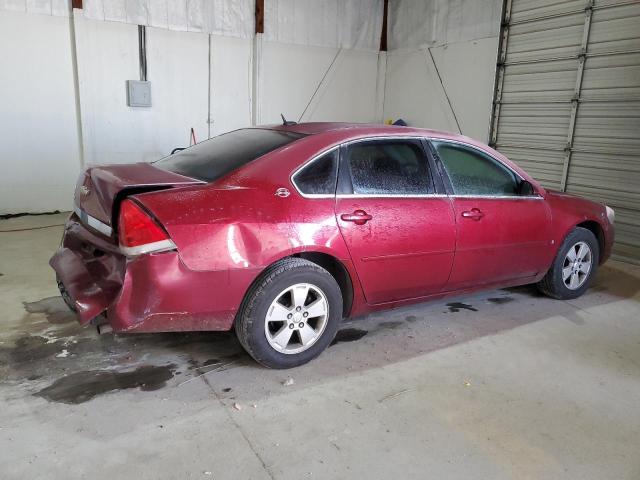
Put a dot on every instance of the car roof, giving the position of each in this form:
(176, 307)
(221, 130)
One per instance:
(355, 130)
(338, 132)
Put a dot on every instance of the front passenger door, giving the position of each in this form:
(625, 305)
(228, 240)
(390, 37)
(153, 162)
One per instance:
(399, 231)
(503, 235)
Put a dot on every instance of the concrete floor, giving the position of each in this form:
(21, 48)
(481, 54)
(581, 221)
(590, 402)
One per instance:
(502, 384)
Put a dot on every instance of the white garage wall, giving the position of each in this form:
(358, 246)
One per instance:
(42, 7)
(345, 81)
(440, 73)
(231, 79)
(222, 17)
(348, 92)
(349, 24)
(178, 71)
(320, 59)
(447, 88)
(38, 129)
(198, 80)
(428, 23)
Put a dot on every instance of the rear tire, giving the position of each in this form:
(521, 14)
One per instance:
(290, 314)
(574, 267)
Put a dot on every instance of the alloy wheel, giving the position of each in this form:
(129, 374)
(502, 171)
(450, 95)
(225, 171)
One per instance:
(577, 266)
(297, 318)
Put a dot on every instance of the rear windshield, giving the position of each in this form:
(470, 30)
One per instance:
(214, 158)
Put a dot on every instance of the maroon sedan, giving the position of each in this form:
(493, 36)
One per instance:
(280, 232)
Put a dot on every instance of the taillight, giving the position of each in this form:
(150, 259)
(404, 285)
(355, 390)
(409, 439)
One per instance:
(139, 233)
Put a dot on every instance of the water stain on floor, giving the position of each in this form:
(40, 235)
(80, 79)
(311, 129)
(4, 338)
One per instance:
(457, 306)
(500, 300)
(528, 290)
(348, 335)
(390, 325)
(221, 364)
(53, 308)
(81, 387)
(33, 348)
(195, 364)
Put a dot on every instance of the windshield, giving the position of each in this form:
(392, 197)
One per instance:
(214, 158)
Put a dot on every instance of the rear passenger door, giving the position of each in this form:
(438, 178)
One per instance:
(399, 229)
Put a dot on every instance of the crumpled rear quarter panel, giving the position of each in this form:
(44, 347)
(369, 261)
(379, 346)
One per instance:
(160, 294)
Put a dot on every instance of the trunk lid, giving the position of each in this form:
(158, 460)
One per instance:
(100, 189)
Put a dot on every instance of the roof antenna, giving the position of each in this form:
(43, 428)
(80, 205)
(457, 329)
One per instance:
(287, 122)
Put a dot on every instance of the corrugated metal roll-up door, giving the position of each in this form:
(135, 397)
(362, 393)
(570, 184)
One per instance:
(567, 102)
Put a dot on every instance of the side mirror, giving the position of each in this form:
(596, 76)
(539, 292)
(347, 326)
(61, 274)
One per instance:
(525, 188)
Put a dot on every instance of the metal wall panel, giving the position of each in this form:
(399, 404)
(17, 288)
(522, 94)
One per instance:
(546, 38)
(539, 79)
(567, 104)
(605, 164)
(527, 10)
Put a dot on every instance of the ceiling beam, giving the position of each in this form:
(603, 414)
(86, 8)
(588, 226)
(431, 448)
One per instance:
(383, 37)
(259, 16)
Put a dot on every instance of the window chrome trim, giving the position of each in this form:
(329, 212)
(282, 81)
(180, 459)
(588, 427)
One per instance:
(93, 222)
(385, 137)
(307, 163)
(501, 197)
(400, 195)
(391, 195)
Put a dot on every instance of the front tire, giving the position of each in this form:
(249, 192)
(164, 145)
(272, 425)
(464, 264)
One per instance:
(290, 315)
(574, 267)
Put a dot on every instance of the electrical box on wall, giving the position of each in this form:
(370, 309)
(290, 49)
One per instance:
(138, 93)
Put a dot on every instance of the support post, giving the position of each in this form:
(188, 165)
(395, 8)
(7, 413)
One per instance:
(259, 16)
(383, 36)
(575, 100)
(76, 4)
(209, 85)
(500, 70)
(256, 63)
(256, 78)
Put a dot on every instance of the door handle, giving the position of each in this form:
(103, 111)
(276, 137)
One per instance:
(359, 217)
(474, 214)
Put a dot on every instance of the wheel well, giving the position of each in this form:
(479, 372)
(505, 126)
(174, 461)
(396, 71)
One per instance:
(596, 229)
(337, 269)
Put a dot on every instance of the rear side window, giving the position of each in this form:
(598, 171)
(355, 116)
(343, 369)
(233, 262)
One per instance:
(473, 173)
(389, 168)
(214, 158)
(319, 177)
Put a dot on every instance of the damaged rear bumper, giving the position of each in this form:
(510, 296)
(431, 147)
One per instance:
(147, 293)
(88, 298)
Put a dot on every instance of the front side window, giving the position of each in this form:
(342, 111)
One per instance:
(474, 173)
(218, 156)
(319, 177)
(389, 168)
